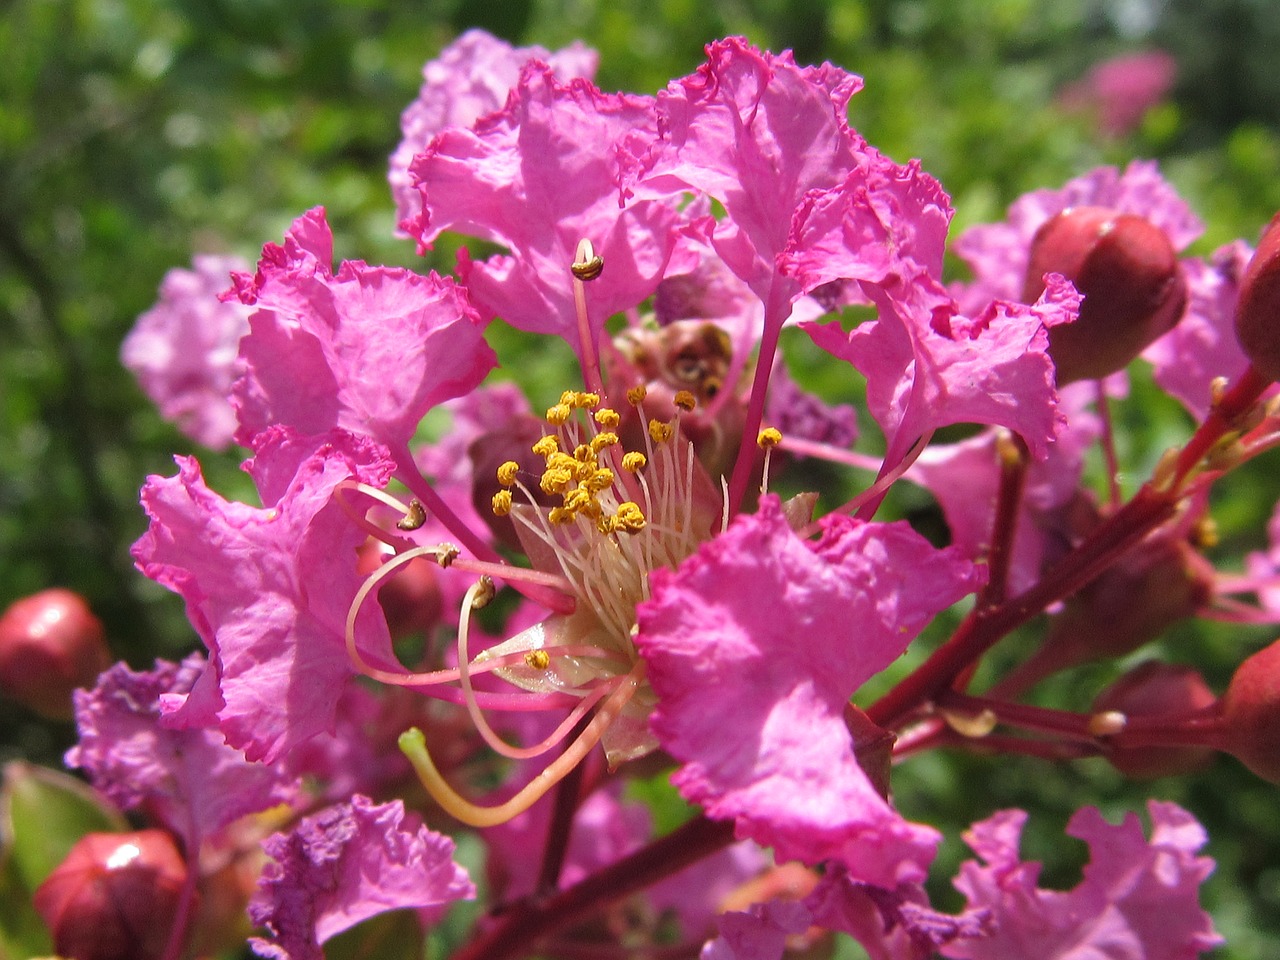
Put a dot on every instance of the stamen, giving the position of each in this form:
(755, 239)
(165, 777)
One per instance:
(415, 518)
(413, 746)
(685, 400)
(768, 438)
(502, 503)
(361, 519)
(507, 473)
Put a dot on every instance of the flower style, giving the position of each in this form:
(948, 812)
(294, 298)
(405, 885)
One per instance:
(664, 603)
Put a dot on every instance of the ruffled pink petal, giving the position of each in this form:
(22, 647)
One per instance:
(756, 132)
(537, 178)
(267, 588)
(368, 349)
(929, 367)
(1203, 345)
(183, 350)
(189, 779)
(1138, 898)
(471, 78)
(758, 934)
(771, 635)
(346, 864)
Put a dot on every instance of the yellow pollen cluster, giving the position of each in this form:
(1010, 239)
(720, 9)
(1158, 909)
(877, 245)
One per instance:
(769, 437)
(685, 400)
(583, 483)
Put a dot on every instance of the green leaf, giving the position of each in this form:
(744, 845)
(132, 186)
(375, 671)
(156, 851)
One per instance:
(43, 813)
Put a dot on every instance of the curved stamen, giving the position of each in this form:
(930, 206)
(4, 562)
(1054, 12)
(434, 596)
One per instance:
(413, 745)
(361, 520)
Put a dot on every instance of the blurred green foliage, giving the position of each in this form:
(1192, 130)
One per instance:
(134, 133)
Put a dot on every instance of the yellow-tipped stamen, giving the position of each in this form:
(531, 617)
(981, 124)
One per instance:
(636, 395)
(660, 432)
(608, 418)
(685, 400)
(767, 439)
(546, 446)
(559, 414)
(502, 503)
(634, 461)
(415, 518)
(507, 473)
(413, 746)
(361, 520)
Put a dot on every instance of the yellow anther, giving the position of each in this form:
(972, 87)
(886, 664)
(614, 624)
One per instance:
(601, 480)
(602, 440)
(562, 461)
(547, 446)
(569, 398)
(484, 592)
(660, 432)
(589, 270)
(502, 503)
(507, 473)
(415, 517)
(636, 395)
(587, 401)
(559, 515)
(629, 517)
(537, 659)
(559, 414)
(554, 480)
(769, 438)
(608, 418)
(605, 524)
(584, 454)
(633, 461)
(577, 500)
(685, 400)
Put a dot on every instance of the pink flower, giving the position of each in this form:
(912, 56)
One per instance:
(471, 78)
(183, 350)
(776, 634)
(1122, 89)
(346, 864)
(1138, 898)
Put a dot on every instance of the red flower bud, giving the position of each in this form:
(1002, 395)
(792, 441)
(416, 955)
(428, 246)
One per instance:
(1152, 689)
(410, 596)
(1251, 713)
(50, 643)
(1258, 309)
(1129, 276)
(115, 897)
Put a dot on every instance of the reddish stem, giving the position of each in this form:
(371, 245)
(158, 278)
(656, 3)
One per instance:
(985, 627)
(568, 796)
(1013, 481)
(515, 932)
(1222, 418)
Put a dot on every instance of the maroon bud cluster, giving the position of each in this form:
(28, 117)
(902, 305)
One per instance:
(50, 644)
(115, 897)
(1251, 713)
(1128, 273)
(1258, 309)
(1153, 689)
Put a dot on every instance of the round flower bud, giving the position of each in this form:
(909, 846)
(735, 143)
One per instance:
(1258, 309)
(1151, 689)
(1251, 713)
(115, 896)
(50, 644)
(1128, 273)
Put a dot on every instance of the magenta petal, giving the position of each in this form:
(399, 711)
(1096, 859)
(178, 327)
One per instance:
(1138, 898)
(267, 588)
(346, 864)
(882, 221)
(772, 635)
(929, 367)
(183, 350)
(190, 779)
(471, 77)
(368, 349)
(758, 934)
(537, 178)
(756, 132)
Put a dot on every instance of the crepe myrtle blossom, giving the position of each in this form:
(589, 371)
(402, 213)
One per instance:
(661, 600)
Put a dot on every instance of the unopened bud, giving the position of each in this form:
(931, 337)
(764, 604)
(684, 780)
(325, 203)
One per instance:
(1128, 273)
(1258, 309)
(115, 897)
(50, 644)
(1148, 690)
(1251, 712)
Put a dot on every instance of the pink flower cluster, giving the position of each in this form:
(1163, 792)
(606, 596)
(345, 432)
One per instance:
(665, 604)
